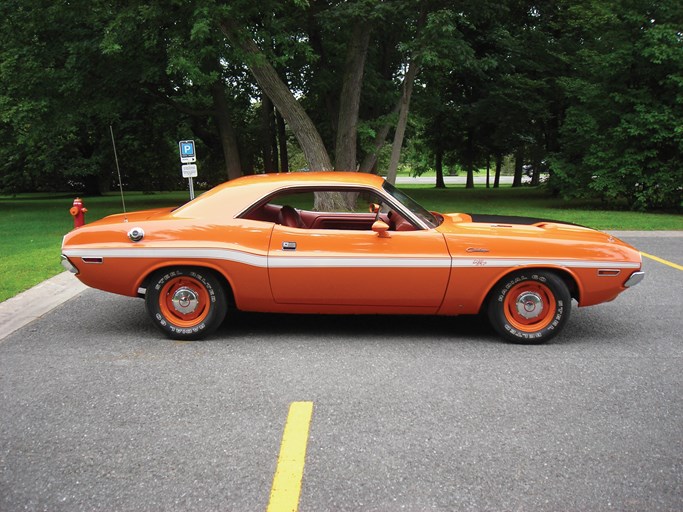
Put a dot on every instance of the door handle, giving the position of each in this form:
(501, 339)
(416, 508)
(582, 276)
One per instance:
(289, 246)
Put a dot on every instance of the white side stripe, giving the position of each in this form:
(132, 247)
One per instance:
(526, 262)
(323, 262)
(293, 261)
(255, 260)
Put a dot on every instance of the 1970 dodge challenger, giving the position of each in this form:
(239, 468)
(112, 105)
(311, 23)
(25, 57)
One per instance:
(346, 243)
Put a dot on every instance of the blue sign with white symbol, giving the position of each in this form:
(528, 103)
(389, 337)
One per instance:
(187, 154)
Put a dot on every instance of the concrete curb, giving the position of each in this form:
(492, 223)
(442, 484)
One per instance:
(30, 305)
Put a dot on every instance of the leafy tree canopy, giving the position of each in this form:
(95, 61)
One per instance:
(590, 90)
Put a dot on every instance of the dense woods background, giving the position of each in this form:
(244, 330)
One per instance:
(590, 91)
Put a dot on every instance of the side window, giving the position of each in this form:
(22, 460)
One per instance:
(300, 199)
(327, 209)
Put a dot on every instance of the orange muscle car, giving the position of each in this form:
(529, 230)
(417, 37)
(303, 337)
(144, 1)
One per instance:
(346, 243)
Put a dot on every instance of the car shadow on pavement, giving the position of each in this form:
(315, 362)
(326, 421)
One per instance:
(112, 316)
(414, 327)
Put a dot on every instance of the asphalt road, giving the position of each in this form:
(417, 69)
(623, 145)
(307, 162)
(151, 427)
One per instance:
(98, 412)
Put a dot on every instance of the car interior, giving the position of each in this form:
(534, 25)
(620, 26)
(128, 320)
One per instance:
(342, 210)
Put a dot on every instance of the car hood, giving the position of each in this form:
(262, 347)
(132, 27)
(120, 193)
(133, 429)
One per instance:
(529, 228)
(511, 219)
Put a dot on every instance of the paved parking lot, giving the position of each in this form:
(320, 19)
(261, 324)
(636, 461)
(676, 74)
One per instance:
(98, 412)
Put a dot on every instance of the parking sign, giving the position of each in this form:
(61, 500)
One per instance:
(187, 153)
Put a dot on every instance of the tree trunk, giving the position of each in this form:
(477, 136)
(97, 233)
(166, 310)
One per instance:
(321, 64)
(499, 167)
(273, 141)
(470, 175)
(370, 160)
(291, 110)
(96, 184)
(470, 159)
(402, 121)
(231, 151)
(269, 165)
(349, 100)
(519, 168)
(440, 183)
(282, 140)
(488, 171)
(407, 91)
(536, 167)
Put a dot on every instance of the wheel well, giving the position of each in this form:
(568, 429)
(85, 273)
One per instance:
(224, 280)
(566, 277)
(569, 281)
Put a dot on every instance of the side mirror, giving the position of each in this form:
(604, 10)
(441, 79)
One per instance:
(381, 228)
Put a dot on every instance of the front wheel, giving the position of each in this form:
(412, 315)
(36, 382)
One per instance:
(186, 303)
(529, 307)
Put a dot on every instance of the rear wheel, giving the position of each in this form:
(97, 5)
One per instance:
(529, 306)
(186, 303)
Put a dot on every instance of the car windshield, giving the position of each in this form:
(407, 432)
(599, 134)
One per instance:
(417, 209)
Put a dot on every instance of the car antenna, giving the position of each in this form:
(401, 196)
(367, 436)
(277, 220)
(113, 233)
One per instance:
(118, 170)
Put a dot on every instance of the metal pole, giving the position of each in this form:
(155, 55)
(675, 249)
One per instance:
(118, 170)
(191, 189)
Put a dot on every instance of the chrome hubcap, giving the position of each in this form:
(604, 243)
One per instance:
(185, 300)
(529, 305)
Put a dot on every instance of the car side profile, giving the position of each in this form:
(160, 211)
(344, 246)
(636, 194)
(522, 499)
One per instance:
(346, 243)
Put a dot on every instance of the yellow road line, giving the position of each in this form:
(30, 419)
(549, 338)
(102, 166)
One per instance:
(660, 260)
(284, 495)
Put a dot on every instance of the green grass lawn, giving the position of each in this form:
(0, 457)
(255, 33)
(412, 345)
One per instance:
(32, 225)
(536, 202)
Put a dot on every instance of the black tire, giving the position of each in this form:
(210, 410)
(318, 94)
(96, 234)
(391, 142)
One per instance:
(529, 306)
(186, 303)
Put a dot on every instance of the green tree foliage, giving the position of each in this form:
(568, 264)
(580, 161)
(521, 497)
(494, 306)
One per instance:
(622, 136)
(497, 93)
(458, 80)
(58, 95)
(592, 88)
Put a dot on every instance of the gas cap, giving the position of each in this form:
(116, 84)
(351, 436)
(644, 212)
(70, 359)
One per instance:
(136, 234)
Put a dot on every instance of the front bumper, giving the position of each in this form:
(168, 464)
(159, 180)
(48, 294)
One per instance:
(68, 266)
(635, 278)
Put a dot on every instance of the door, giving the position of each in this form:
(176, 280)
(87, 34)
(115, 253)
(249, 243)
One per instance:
(358, 268)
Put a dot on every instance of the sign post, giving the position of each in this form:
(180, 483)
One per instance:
(188, 157)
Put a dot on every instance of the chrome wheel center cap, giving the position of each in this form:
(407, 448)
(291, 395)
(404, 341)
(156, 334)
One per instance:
(529, 305)
(185, 301)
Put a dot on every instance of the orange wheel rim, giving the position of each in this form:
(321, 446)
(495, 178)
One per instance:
(184, 301)
(530, 306)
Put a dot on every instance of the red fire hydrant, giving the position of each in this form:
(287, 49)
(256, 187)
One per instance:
(78, 212)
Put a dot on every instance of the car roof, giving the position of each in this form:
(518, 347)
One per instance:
(304, 177)
(236, 195)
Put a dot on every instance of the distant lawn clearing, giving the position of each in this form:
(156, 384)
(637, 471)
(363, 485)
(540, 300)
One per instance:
(536, 202)
(33, 225)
